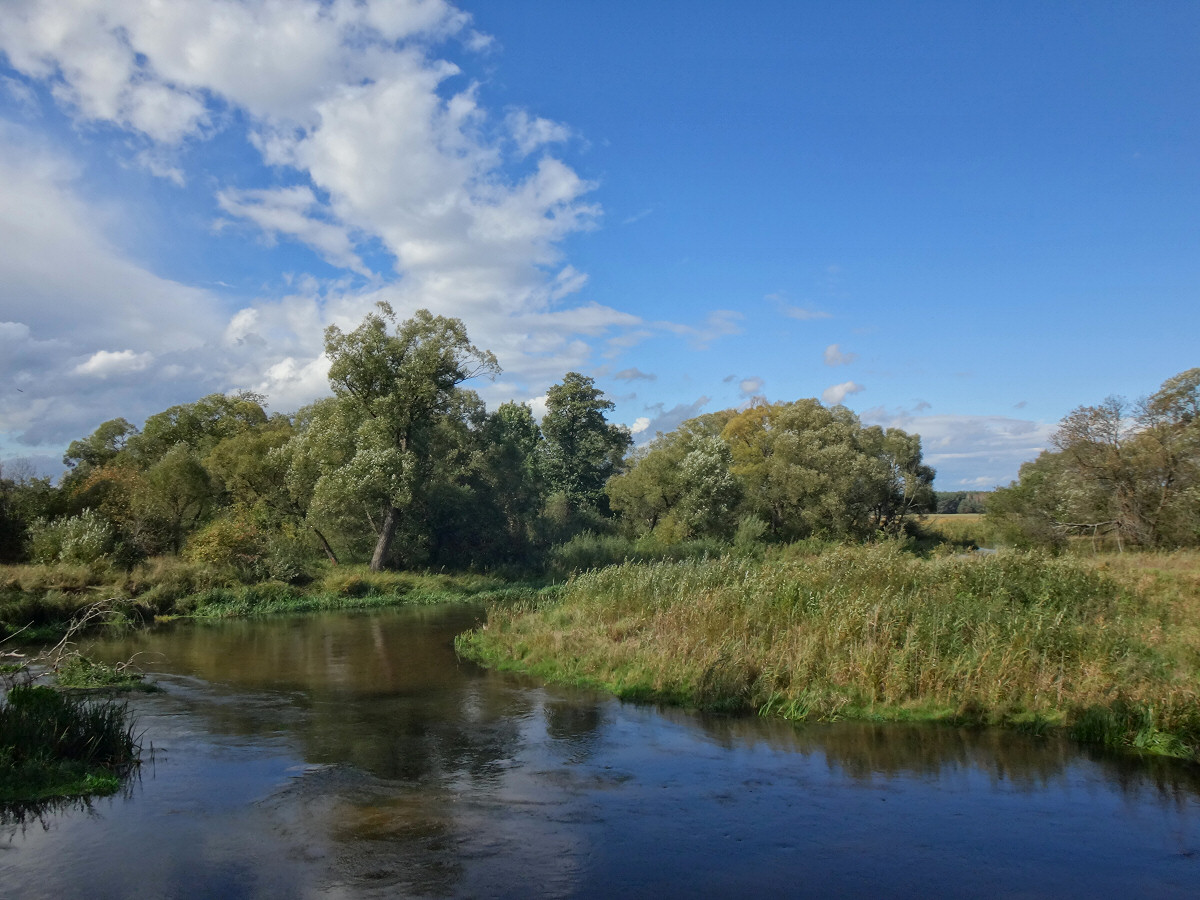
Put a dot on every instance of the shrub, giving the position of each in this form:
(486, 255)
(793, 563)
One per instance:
(80, 539)
(232, 543)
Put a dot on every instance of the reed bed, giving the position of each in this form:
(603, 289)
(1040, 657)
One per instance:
(1014, 638)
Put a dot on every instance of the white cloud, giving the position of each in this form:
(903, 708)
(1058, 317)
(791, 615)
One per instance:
(531, 133)
(835, 357)
(802, 313)
(961, 447)
(751, 386)
(640, 424)
(286, 211)
(371, 146)
(718, 323)
(104, 363)
(835, 394)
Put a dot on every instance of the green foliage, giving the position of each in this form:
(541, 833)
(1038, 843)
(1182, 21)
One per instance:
(80, 539)
(232, 542)
(394, 394)
(1121, 475)
(824, 632)
(199, 426)
(958, 502)
(581, 451)
(798, 468)
(77, 671)
(589, 550)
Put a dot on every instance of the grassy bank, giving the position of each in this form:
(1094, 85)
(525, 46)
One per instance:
(1109, 652)
(39, 602)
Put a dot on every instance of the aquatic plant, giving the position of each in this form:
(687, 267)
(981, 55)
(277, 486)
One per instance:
(55, 745)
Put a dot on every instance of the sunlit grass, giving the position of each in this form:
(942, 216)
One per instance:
(875, 632)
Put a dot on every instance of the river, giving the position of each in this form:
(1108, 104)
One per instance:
(355, 756)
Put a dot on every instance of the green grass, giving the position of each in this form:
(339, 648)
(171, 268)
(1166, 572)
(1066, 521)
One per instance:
(1020, 639)
(53, 745)
(77, 672)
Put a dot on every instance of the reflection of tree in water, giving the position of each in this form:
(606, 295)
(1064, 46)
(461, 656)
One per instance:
(384, 692)
(867, 752)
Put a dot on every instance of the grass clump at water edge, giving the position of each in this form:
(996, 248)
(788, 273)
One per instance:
(56, 745)
(1020, 639)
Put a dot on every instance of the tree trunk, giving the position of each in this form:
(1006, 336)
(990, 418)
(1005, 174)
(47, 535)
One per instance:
(325, 545)
(385, 538)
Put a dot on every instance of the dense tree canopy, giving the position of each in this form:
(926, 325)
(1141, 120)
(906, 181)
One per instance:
(404, 466)
(799, 468)
(581, 449)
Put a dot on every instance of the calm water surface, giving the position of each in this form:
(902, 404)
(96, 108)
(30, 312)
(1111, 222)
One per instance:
(355, 756)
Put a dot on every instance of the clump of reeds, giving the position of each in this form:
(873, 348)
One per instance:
(866, 631)
(52, 744)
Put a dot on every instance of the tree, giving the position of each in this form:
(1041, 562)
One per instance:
(200, 425)
(801, 469)
(904, 484)
(581, 451)
(392, 388)
(681, 484)
(1129, 470)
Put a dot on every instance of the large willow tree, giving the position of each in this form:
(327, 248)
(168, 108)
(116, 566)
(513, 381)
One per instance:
(393, 384)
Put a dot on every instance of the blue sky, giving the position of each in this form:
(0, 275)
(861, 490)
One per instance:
(956, 219)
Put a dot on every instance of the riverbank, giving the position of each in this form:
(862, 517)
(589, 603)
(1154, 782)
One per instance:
(38, 603)
(1105, 648)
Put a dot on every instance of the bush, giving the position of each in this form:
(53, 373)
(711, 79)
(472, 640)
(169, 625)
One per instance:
(80, 539)
(232, 543)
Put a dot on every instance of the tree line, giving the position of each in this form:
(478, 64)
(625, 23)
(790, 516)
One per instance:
(403, 466)
(1121, 473)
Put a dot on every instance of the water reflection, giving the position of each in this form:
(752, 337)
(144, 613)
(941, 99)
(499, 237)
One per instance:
(357, 756)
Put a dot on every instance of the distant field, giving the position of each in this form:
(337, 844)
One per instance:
(960, 527)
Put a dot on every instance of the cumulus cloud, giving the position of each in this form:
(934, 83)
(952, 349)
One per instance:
(287, 211)
(104, 363)
(835, 394)
(751, 386)
(530, 132)
(834, 356)
(377, 156)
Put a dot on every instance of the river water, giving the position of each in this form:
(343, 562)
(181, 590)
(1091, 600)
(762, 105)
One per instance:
(355, 756)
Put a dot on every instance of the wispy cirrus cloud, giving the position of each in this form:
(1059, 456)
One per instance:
(800, 313)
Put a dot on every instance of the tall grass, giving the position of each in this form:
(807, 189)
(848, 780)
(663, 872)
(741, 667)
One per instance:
(53, 744)
(1018, 638)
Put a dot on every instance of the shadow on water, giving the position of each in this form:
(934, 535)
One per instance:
(357, 755)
